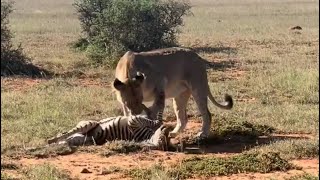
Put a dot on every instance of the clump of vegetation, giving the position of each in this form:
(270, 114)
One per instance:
(9, 165)
(155, 172)
(13, 61)
(112, 169)
(230, 130)
(45, 171)
(216, 166)
(112, 27)
(246, 162)
(304, 176)
(235, 128)
(292, 148)
(113, 147)
(124, 147)
(5, 176)
(50, 151)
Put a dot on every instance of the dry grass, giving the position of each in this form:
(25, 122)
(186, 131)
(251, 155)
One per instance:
(277, 84)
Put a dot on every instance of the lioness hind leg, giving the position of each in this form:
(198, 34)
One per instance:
(180, 105)
(202, 103)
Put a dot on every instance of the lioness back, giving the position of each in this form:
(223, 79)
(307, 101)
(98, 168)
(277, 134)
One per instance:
(173, 63)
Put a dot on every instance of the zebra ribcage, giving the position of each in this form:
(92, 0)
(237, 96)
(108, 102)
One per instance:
(142, 133)
(117, 129)
(142, 127)
(136, 128)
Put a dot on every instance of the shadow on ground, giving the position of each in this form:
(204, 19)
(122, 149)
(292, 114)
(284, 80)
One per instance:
(14, 62)
(221, 64)
(239, 144)
(210, 50)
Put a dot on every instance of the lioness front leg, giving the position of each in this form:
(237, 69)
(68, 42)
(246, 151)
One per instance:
(157, 107)
(180, 109)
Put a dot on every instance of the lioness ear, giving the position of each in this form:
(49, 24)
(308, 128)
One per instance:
(139, 78)
(118, 84)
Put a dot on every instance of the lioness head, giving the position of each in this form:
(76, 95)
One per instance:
(130, 94)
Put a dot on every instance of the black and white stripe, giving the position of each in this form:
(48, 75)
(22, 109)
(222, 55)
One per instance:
(137, 128)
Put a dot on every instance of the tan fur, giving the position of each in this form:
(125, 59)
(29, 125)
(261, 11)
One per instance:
(178, 72)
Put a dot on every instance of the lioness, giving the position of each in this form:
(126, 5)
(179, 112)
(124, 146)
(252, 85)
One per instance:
(165, 73)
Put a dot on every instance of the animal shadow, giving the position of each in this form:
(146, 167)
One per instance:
(210, 50)
(221, 64)
(240, 144)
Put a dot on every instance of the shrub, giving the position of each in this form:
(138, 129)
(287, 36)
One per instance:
(13, 61)
(112, 27)
(6, 9)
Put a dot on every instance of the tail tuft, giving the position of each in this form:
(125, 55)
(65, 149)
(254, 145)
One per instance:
(229, 101)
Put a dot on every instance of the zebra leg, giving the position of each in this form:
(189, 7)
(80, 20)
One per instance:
(160, 139)
(82, 127)
(79, 139)
(157, 140)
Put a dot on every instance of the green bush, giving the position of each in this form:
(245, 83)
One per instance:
(13, 61)
(6, 9)
(112, 27)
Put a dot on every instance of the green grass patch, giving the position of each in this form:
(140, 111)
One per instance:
(9, 165)
(123, 146)
(217, 166)
(29, 118)
(156, 172)
(304, 176)
(263, 163)
(112, 148)
(5, 176)
(292, 148)
(39, 151)
(106, 150)
(227, 128)
(112, 169)
(45, 172)
(50, 151)
(224, 130)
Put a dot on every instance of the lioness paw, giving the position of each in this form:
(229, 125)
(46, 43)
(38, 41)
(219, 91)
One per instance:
(202, 135)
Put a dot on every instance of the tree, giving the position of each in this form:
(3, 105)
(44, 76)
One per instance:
(112, 27)
(13, 61)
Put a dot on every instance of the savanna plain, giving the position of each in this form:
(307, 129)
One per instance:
(271, 70)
